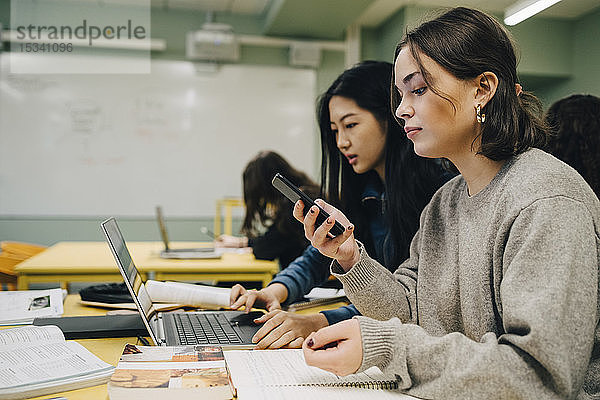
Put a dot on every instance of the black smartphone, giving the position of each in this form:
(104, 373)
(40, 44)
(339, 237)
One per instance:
(292, 192)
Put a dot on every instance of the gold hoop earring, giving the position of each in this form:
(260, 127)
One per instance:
(480, 116)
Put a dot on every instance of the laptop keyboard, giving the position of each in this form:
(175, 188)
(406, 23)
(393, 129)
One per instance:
(204, 329)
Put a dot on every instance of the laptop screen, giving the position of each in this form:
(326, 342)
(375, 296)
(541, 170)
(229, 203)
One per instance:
(130, 274)
(162, 227)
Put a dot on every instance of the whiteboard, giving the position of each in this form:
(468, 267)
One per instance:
(81, 145)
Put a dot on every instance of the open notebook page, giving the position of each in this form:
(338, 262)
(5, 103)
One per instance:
(286, 367)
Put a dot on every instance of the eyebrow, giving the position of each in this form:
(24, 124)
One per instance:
(409, 76)
(344, 117)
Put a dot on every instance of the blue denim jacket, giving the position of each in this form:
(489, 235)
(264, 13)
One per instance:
(312, 268)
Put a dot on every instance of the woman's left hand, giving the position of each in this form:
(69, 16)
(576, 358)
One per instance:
(342, 248)
(336, 348)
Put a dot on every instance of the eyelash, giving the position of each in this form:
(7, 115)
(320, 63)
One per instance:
(419, 92)
(348, 126)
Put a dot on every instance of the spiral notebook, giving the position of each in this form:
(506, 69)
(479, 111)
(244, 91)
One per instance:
(284, 374)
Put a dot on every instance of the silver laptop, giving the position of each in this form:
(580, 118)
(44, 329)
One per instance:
(168, 252)
(220, 328)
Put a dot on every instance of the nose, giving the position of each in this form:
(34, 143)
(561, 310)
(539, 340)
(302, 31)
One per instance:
(342, 140)
(404, 110)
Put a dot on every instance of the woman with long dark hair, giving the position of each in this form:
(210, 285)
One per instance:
(268, 227)
(499, 298)
(368, 164)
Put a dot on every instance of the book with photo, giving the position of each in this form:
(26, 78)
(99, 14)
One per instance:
(182, 372)
(20, 307)
(37, 360)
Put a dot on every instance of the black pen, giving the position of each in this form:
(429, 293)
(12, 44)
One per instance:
(143, 340)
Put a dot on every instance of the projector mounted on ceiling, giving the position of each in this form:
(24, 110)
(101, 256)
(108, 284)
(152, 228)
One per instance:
(214, 42)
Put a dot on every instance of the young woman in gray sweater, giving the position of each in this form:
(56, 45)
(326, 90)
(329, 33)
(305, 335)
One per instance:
(499, 296)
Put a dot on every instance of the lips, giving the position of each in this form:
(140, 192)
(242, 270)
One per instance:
(351, 158)
(411, 131)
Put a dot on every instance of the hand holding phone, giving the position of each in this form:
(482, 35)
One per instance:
(293, 193)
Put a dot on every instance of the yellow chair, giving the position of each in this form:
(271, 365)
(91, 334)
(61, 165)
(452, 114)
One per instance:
(12, 253)
(228, 204)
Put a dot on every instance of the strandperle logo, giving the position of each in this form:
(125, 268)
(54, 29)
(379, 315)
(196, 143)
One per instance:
(83, 31)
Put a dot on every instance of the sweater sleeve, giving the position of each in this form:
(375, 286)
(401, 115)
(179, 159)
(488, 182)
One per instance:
(303, 274)
(363, 283)
(548, 307)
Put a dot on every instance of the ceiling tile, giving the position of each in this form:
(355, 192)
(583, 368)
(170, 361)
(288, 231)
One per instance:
(315, 18)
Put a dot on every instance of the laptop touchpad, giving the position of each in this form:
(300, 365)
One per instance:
(246, 319)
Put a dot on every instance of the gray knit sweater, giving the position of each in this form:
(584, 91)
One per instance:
(500, 296)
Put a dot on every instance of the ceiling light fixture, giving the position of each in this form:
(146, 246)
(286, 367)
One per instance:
(522, 10)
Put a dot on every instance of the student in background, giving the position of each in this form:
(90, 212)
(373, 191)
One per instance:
(268, 227)
(575, 135)
(499, 297)
(367, 164)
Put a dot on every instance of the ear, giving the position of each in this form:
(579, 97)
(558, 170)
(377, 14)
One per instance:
(486, 85)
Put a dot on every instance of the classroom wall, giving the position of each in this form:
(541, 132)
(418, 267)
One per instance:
(5, 13)
(170, 25)
(585, 62)
(558, 58)
(48, 230)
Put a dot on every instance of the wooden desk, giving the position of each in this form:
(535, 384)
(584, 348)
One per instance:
(93, 262)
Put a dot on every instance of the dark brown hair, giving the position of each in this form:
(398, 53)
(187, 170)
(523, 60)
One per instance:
(467, 43)
(575, 135)
(264, 204)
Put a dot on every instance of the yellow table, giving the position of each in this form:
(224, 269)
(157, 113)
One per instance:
(93, 262)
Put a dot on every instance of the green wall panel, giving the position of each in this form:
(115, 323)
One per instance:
(49, 230)
(585, 62)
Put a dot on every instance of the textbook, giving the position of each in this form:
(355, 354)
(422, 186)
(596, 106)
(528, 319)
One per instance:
(318, 297)
(178, 372)
(38, 360)
(266, 374)
(208, 297)
(20, 307)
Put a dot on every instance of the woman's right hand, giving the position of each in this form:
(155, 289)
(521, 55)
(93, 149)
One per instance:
(342, 248)
(269, 298)
(336, 348)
